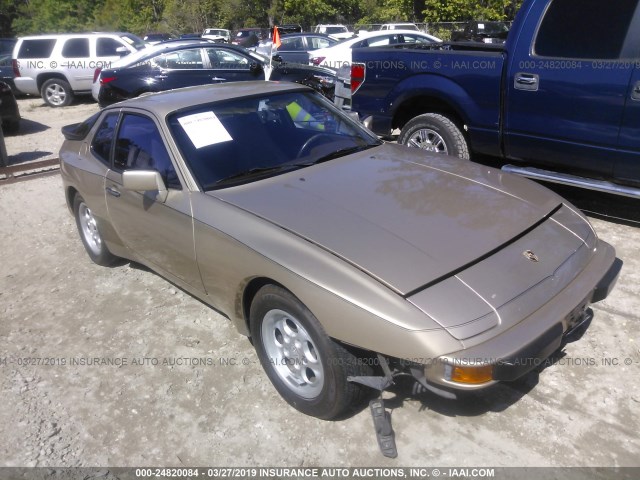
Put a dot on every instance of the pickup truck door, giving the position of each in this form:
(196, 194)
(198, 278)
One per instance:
(565, 97)
(627, 167)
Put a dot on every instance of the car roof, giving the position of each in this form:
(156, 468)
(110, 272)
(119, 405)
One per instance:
(164, 103)
(168, 47)
(73, 35)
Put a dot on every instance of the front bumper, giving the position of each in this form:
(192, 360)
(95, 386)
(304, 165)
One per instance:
(526, 345)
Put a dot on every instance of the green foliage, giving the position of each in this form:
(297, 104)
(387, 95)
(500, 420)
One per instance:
(182, 16)
(462, 10)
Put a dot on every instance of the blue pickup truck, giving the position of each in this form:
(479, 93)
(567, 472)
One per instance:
(560, 100)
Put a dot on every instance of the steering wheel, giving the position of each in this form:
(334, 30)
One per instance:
(310, 142)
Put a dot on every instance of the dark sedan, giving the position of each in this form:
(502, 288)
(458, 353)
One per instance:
(201, 64)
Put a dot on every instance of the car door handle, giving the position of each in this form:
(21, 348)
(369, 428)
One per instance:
(162, 77)
(526, 81)
(218, 79)
(635, 92)
(113, 191)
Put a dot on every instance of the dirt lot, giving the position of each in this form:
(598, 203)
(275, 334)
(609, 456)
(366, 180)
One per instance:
(155, 405)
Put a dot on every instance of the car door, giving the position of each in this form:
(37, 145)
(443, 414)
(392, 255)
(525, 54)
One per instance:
(293, 50)
(227, 65)
(76, 60)
(627, 166)
(181, 68)
(160, 232)
(107, 51)
(564, 103)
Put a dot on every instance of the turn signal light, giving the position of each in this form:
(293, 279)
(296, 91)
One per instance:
(471, 374)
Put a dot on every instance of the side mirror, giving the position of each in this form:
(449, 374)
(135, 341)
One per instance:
(122, 51)
(148, 181)
(255, 68)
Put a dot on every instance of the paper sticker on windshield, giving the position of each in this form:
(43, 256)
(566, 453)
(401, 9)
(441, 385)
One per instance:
(204, 129)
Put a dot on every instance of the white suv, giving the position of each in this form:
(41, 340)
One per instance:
(336, 31)
(61, 66)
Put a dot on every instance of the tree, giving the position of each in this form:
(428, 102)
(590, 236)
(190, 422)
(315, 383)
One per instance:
(462, 10)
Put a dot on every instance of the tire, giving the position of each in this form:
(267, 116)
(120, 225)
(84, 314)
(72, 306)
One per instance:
(56, 92)
(90, 233)
(311, 375)
(435, 133)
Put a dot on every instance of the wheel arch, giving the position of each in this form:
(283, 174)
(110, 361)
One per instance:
(248, 293)
(70, 195)
(418, 105)
(43, 77)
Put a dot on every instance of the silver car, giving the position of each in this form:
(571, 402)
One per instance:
(348, 261)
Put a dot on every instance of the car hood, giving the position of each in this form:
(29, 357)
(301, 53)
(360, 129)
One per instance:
(404, 217)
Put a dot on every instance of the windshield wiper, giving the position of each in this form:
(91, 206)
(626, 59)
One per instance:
(255, 171)
(338, 153)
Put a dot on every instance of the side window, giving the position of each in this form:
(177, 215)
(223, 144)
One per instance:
(292, 44)
(106, 47)
(40, 48)
(405, 38)
(76, 48)
(180, 60)
(139, 146)
(580, 29)
(380, 41)
(318, 42)
(101, 144)
(221, 58)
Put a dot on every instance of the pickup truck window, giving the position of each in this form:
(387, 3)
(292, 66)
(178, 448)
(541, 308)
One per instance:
(587, 36)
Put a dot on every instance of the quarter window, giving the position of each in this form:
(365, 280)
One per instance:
(590, 34)
(101, 144)
(139, 146)
(40, 48)
(76, 48)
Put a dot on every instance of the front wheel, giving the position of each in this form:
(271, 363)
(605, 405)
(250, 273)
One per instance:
(56, 92)
(308, 369)
(435, 133)
(90, 233)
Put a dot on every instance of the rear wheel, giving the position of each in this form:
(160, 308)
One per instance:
(435, 133)
(56, 92)
(90, 233)
(308, 369)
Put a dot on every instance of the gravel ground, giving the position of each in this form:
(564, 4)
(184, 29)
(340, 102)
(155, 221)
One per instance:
(39, 137)
(63, 317)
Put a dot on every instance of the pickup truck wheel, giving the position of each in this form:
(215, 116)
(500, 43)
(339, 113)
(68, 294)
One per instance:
(435, 133)
(308, 369)
(56, 92)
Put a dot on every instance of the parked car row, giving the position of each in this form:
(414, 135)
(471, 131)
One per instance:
(117, 66)
(170, 66)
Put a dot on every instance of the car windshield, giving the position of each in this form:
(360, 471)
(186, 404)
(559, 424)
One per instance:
(246, 139)
(336, 29)
(133, 40)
